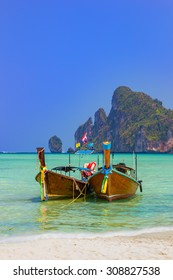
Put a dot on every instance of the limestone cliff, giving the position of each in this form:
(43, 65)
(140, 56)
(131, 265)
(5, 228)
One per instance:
(86, 127)
(136, 122)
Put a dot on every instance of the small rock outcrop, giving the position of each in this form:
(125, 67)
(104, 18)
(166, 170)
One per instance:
(70, 151)
(55, 144)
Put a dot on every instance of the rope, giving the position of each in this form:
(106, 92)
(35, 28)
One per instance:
(81, 192)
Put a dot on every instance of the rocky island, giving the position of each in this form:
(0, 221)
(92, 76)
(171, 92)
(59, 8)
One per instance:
(55, 144)
(136, 122)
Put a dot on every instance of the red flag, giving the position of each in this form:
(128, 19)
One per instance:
(84, 138)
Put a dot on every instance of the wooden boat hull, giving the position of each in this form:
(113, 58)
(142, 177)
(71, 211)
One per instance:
(119, 185)
(62, 186)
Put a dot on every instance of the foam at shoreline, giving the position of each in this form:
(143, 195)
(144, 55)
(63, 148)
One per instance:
(57, 235)
(155, 244)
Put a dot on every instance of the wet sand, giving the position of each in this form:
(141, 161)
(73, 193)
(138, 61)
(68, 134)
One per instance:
(146, 246)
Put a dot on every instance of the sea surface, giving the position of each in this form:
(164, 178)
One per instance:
(24, 215)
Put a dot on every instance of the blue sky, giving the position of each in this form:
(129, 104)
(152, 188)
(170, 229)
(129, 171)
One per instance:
(60, 61)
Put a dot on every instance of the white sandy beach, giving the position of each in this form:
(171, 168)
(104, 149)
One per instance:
(154, 246)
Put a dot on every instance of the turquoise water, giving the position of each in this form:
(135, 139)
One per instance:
(23, 214)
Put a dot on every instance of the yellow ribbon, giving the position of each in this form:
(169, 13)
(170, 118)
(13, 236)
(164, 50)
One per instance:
(42, 171)
(104, 185)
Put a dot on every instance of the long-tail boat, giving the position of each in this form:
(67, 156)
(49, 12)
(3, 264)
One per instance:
(55, 185)
(113, 182)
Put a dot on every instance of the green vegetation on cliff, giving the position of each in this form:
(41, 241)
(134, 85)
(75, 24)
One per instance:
(136, 122)
(140, 110)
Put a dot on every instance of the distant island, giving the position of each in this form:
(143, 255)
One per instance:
(55, 144)
(136, 122)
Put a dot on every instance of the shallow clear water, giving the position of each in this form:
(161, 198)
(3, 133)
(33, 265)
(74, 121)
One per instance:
(22, 212)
